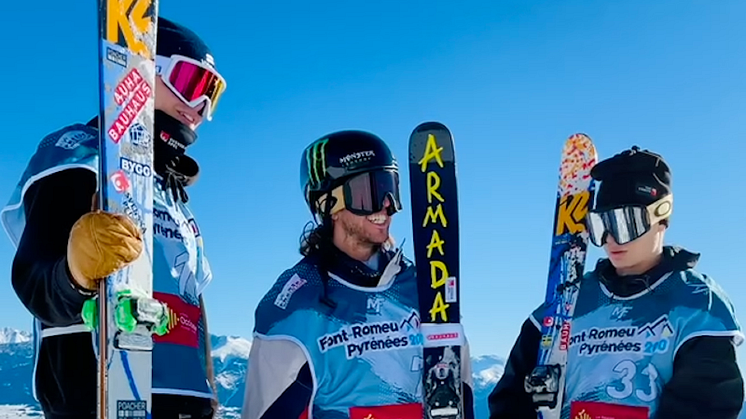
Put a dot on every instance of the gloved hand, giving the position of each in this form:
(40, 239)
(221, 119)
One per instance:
(100, 244)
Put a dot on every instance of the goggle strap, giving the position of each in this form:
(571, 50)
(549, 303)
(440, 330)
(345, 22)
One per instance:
(339, 196)
(660, 209)
(339, 203)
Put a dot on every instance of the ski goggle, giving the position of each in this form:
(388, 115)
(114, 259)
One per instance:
(627, 223)
(365, 193)
(191, 81)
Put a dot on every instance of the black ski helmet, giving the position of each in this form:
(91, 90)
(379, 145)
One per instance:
(173, 38)
(332, 159)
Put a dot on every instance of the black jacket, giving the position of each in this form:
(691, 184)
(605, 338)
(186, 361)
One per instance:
(706, 381)
(67, 368)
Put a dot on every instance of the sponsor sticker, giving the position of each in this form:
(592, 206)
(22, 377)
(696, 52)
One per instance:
(290, 287)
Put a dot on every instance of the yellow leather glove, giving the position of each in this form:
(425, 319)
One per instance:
(100, 244)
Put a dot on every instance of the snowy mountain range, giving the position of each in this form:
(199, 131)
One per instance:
(230, 358)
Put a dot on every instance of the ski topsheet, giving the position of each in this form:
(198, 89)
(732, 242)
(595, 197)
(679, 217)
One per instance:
(575, 195)
(435, 224)
(127, 40)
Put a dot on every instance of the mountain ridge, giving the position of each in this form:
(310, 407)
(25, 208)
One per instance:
(230, 362)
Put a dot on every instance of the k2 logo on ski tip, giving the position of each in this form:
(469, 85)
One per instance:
(119, 14)
(572, 211)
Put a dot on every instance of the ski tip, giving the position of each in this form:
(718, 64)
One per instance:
(580, 144)
(580, 137)
(431, 134)
(578, 158)
(430, 126)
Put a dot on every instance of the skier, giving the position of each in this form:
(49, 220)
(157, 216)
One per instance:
(337, 335)
(52, 220)
(651, 337)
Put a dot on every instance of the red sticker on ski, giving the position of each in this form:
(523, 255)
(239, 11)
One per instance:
(138, 91)
(183, 324)
(599, 410)
(397, 411)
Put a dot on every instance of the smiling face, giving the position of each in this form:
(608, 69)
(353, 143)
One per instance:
(166, 101)
(360, 236)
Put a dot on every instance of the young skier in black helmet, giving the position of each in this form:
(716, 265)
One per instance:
(337, 334)
(651, 337)
(52, 220)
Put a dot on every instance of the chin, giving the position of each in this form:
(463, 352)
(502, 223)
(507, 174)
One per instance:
(619, 263)
(379, 240)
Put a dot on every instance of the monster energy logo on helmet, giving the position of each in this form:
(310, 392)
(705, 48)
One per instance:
(316, 159)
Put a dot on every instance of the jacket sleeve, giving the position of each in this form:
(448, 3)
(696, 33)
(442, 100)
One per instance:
(706, 381)
(509, 400)
(40, 274)
(279, 384)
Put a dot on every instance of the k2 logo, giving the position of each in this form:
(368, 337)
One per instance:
(131, 19)
(572, 210)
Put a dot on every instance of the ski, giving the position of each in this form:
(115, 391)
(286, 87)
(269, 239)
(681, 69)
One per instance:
(570, 238)
(435, 225)
(127, 40)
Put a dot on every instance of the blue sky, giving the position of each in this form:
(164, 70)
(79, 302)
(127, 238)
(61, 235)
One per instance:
(512, 79)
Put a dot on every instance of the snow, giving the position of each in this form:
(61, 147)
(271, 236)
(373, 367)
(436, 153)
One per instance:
(19, 411)
(486, 371)
(8, 335)
(230, 380)
(234, 347)
(488, 377)
(228, 413)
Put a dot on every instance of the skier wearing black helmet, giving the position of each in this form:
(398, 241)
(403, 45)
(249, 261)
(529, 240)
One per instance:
(337, 335)
(651, 336)
(52, 217)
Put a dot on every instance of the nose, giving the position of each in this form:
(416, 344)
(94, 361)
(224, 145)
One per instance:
(610, 242)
